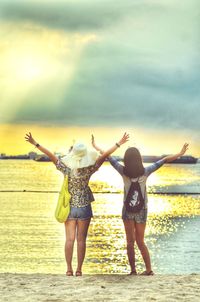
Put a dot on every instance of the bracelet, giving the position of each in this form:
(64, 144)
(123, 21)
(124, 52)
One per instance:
(37, 145)
(118, 145)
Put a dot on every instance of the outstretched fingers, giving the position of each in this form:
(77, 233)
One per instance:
(27, 136)
(186, 145)
(184, 148)
(93, 141)
(125, 137)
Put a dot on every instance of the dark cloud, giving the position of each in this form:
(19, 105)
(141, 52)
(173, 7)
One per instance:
(124, 95)
(69, 15)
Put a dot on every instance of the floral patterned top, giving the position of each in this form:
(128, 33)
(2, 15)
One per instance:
(81, 194)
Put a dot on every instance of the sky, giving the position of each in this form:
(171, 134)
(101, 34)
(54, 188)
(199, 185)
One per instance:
(104, 66)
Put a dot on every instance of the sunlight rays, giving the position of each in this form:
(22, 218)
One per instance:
(37, 61)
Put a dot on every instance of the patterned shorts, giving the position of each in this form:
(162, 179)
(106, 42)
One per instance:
(140, 217)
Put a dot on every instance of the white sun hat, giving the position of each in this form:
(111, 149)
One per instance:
(80, 157)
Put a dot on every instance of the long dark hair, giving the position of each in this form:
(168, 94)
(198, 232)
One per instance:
(133, 166)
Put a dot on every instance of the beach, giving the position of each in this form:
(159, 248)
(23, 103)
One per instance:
(58, 288)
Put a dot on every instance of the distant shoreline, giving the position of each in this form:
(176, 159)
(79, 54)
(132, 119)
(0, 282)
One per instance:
(188, 159)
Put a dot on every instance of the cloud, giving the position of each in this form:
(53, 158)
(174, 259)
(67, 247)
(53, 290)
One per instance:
(100, 96)
(142, 70)
(69, 15)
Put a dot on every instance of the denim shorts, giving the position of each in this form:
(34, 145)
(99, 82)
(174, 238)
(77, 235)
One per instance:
(140, 217)
(82, 213)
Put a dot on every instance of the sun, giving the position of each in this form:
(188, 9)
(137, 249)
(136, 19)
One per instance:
(28, 67)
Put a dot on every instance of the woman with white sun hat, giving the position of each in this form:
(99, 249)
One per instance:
(79, 164)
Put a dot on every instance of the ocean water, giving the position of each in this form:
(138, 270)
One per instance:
(31, 240)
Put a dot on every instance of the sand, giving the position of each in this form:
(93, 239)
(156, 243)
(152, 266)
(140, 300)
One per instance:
(58, 288)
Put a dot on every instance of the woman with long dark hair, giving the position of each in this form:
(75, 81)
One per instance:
(135, 222)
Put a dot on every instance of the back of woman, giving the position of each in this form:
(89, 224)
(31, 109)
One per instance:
(78, 165)
(135, 217)
(134, 171)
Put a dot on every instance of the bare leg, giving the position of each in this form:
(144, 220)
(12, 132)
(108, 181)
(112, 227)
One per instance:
(139, 232)
(129, 226)
(82, 229)
(70, 232)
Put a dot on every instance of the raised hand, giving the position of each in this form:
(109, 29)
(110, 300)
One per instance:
(29, 138)
(93, 141)
(94, 144)
(184, 149)
(124, 139)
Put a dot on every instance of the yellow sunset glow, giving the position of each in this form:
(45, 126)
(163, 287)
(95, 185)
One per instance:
(59, 138)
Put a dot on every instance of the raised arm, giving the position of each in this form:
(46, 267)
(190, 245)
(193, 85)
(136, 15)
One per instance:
(170, 158)
(32, 141)
(101, 151)
(105, 154)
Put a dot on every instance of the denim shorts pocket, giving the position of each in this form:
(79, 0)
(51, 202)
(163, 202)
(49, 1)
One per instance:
(81, 213)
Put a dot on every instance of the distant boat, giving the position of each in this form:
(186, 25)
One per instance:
(186, 159)
(15, 157)
(42, 158)
(150, 158)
